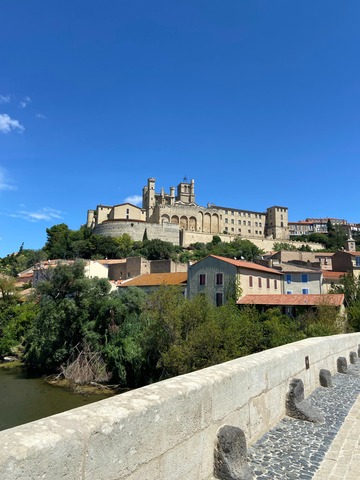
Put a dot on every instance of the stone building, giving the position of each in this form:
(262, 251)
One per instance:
(170, 216)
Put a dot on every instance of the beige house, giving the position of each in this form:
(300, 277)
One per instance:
(321, 260)
(131, 267)
(92, 269)
(217, 277)
(165, 215)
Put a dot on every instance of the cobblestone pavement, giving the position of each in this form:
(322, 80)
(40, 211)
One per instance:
(296, 449)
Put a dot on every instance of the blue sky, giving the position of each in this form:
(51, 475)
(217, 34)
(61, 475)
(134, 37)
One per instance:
(257, 100)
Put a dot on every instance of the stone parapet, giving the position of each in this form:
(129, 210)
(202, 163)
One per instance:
(168, 430)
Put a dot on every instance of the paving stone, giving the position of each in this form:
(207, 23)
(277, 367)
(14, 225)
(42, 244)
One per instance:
(295, 449)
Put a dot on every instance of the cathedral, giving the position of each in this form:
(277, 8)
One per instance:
(176, 217)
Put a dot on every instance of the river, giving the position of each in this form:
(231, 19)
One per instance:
(24, 399)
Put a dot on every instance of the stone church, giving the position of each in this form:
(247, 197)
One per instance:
(177, 218)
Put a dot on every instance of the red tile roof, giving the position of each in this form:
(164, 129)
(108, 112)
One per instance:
(155, 279)
(330, 274)
(335, 299)
(245, 264)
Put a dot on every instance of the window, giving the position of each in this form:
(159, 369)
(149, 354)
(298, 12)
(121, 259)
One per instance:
(226, 229)
(202, 279)
(256, 224)
(358, 261)
(304, 278)
(239, 222)
(232, 213)
(250, 281)
(219, 299)
(256, 232)
(259, 224)
(289, 292)
(268, 283)
(239, 230)
(305, 291)
(249, 223)
(275, 284)
(288, 278)
(226, 220)
(232, 221)
(226, 212)
(249, 231)
(259, 282)
(219, 279)
(244, 222)
(232, 229)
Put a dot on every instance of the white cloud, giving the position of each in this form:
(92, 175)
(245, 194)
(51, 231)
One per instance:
(4, 182)
(7, 124)
(40, 115)
(38, 215)
(24, 102)
(5, 98)
(134, 199)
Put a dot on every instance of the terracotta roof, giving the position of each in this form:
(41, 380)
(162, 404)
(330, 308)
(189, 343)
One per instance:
(331, 274)
(245, 264)
(154, 279)
(335, 299)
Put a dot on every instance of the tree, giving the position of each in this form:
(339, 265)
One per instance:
(66, 306)
(157, 249)
(58, 242)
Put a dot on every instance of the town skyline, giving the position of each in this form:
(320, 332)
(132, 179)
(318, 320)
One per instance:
(258, 102)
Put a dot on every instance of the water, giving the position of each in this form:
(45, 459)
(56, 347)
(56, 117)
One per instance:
(24, 399)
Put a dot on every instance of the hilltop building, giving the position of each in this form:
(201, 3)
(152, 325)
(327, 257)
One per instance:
(177, 218)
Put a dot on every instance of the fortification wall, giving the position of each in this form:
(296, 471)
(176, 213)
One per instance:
(168, 430)
(167, 231)
(264, 243)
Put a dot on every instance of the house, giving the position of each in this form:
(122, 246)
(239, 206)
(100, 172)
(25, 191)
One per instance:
(217, 276)
(345, 261)
(311, 259)
(125, 268)
(301, 280)
(92, 268)
(152, 281)
(295, 304)
(331, 280)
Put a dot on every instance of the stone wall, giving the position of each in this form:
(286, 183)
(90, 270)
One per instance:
(167, 232)
(264, 243)
(167, 431)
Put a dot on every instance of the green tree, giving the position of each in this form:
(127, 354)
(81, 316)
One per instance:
(58, 242)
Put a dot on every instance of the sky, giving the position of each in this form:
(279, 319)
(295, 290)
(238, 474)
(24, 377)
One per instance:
(258, 101)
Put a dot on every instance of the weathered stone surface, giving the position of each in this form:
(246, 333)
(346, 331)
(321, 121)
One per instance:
(353, 357)
(342, 365)
(297, 407)
(325, 378)
(230, 460)
(359, 350)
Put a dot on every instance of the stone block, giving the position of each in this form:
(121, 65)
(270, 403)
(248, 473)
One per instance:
(298, 407)
(230, 457)
(341, 365)
(353, 357)
(325, 378)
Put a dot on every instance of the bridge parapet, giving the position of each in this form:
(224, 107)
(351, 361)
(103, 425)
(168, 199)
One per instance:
(168, 430)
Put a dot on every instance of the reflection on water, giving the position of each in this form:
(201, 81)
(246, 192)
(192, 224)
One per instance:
(24, 399)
